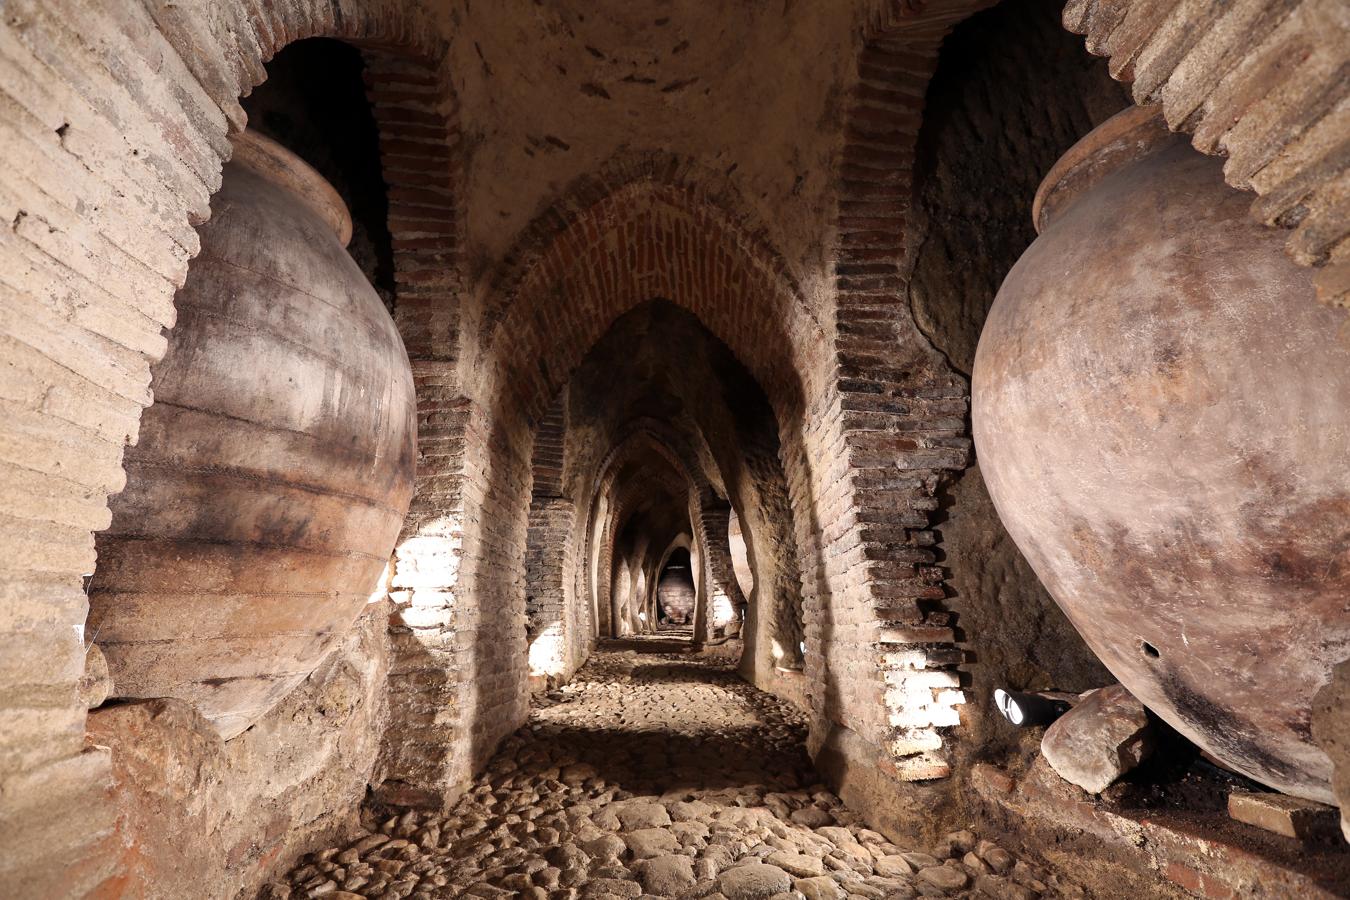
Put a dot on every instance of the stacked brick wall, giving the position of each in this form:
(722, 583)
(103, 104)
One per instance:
(604, 622)
(421, 754)
(497, 681)
(902, 409)
(988, 138)
(777, 583)
(556, 648)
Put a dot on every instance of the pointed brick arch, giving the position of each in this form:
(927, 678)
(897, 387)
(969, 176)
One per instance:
(654, 234)
(613, 244)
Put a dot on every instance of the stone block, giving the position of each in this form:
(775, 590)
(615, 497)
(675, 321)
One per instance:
(1290, 816)
(1099, 740)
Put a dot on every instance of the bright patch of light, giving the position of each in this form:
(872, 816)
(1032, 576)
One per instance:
(1011, 711)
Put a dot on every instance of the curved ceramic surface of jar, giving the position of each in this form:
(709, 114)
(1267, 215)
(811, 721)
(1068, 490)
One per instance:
(273, 471)
(1162, 412)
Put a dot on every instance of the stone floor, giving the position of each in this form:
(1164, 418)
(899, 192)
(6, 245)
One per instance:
(654, 774)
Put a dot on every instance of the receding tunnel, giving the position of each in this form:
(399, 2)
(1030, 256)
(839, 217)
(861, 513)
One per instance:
(660, 373)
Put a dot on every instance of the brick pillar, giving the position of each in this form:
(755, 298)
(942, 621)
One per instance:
(420, 765)
(901, 411)
(457, 670)
(548, 562)
(711, 517)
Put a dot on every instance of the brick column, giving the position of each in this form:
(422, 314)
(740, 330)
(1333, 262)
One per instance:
(548, 562)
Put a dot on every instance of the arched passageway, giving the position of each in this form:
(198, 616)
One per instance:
(529, 449)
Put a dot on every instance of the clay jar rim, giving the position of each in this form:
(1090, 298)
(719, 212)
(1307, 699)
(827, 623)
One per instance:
(269, 160)
(1129, 136)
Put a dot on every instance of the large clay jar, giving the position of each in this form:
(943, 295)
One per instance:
(1162, 413)
(273, 471)
(675, 592)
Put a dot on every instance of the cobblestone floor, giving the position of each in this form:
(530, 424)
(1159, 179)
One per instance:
(657, 775)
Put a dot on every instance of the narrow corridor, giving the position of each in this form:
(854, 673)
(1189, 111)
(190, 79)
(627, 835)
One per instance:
(658, 774)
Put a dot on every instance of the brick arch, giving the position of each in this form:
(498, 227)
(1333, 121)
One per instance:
(123, 114)
(679, 542)
(227, 46)
(646, 229)
(612, 247)
(904, 407)
(649, 232)
(657, 465)
(627, 449)
(665, 441)
(702, 184)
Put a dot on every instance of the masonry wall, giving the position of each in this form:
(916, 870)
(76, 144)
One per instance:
(1011, 92)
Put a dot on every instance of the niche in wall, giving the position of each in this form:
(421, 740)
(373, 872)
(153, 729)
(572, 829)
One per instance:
(1012, 91)
(314, 104)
